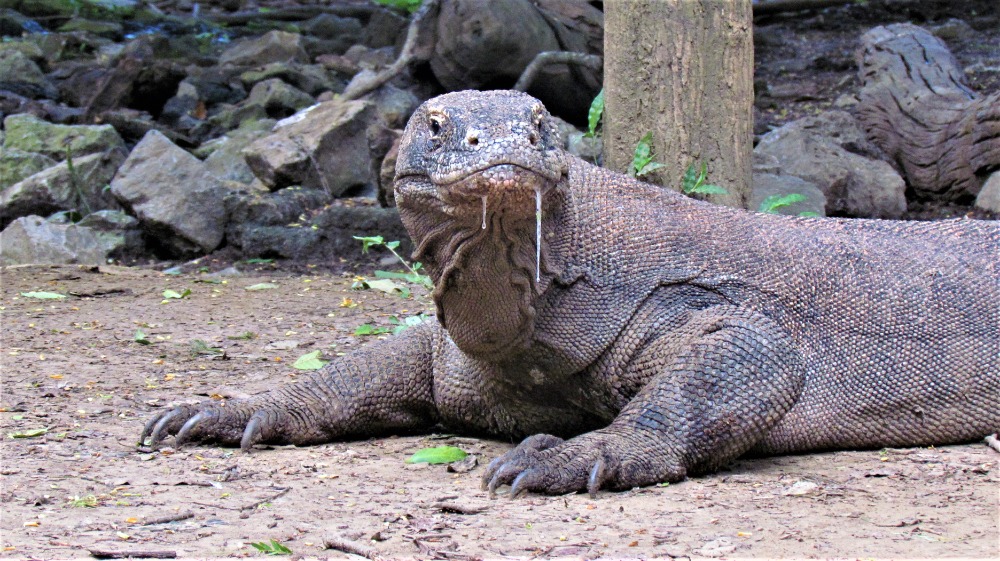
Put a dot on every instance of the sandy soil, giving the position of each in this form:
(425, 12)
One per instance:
(72, 367)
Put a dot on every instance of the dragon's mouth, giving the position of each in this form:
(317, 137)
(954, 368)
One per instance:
(497, 172)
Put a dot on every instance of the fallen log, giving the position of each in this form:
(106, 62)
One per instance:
(915, 105)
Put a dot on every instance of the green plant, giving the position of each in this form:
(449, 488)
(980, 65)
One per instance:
(642, 159)
(74, 176)
(594, 114)
(273, 548)
(410, 6)
(89, 501)
(693, 182)
(772, 203)
(412, 276)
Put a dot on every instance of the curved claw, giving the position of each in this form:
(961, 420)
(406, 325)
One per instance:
(185, 432)
(491, 469)
(158, 429)
(147, 430)
(253, 433)
(503, 475)
(598, 474)
(523, 483)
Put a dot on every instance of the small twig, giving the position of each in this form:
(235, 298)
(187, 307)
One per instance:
(769, 7)
(298, 13)
(993, 442)
(361, 85)
(133, 553)
(348, 546)
(266, 499)
(171, 518)
(546, 58)
(458, 508)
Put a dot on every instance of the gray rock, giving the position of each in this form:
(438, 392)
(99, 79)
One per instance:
(826, 150)
(28, 133)
(31, 239)
(278, 99)
(385, 29)
(328, 235)
(224, 157)
(327, 33)
(767, 185)
(229, 117)
(313, 79)
(989, 197)
(119, 232)
(15, 165)
(180, 110)
(14, 23)
(107, 29)
(954, 30)
(27, 48)
(323, 147)
(329, 26)
(19, 74)
(387, 172)
(765, 163)
(273, 46)
(259, 211)
(394, 105)
(59, 187)
(178, 201)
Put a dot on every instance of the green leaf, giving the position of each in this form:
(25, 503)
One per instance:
(389, 287)
(809, 214)
(140, 337)
(369, 329)
(246, 336)
(392, 275)
(438, 455)
(262, 286)
(257, 261)
(309, 361)
(643, 154)
(392, 244)
(694, 182)
(369, 241)
(710, 190)
(273, 548)
(595, 113)
(200, 347)
(650, 167)
(772, 203)
(44, 295)
(30, 433)
(407, 322)
(173, 294)
(690, 179)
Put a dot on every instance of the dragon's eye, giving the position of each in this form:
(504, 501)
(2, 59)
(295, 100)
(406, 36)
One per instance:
(436, 122)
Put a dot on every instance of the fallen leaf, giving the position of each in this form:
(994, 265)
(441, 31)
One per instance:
(44, 295)
(437, 455)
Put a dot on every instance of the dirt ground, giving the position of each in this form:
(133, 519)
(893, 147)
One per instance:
(73, 367)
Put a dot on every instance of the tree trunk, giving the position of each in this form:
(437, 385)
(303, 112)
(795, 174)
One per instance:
(683, 70)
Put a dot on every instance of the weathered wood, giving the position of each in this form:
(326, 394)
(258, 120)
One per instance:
(133, 554)
(915, 106)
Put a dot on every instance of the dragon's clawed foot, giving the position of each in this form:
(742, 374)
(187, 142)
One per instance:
(548, 464)
(240, 423)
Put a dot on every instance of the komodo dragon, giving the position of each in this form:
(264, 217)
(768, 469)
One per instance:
(660, 335)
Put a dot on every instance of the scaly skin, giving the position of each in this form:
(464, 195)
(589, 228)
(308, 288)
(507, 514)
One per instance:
(662, 337)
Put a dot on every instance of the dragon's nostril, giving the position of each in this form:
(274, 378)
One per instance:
(473, 140)
(533, 139)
